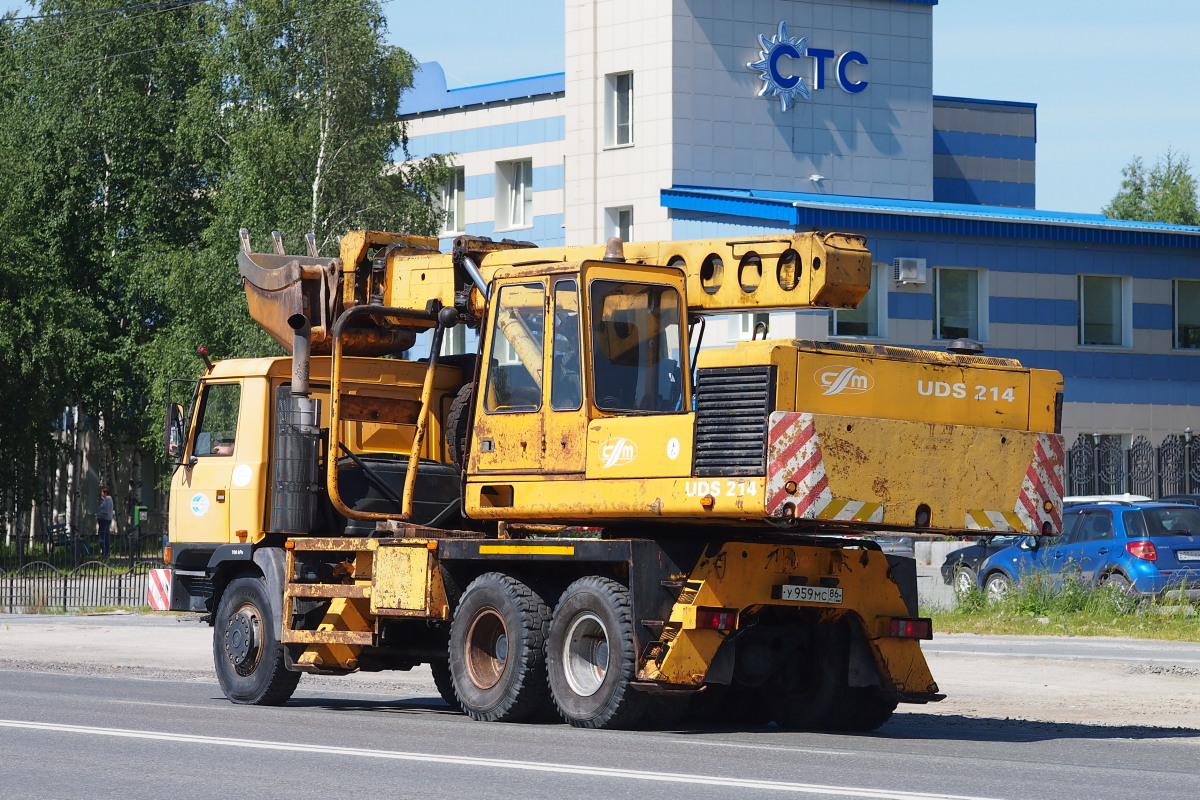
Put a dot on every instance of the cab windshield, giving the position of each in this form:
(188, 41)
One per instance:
(637, 363)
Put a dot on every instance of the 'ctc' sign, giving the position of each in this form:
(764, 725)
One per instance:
(777, 74)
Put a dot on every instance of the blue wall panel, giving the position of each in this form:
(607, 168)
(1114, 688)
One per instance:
(902, 305)
(984, 193)
(1155, 316)
(986, 145)
(489, 137)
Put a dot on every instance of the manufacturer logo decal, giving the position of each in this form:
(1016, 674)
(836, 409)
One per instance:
(199, 505)
(617, 452)
(843, 379)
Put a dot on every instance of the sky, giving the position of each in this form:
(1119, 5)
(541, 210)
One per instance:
(1112, 79)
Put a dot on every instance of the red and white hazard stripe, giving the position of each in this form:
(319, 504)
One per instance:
(794, 454)
(158, 590)
(1043, 483)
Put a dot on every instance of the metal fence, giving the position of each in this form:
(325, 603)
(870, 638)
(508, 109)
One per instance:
(62, 570)
(39, 587)
(1099, 464)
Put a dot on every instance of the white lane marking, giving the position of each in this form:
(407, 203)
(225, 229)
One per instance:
(495, 763)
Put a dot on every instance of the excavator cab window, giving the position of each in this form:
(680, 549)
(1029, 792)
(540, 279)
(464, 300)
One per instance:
(636, 341)
(566, 384)
(514, 381)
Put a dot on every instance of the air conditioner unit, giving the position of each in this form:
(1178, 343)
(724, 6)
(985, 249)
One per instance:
(908, 270)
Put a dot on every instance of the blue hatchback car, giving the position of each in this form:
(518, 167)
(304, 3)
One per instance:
(1144, 548)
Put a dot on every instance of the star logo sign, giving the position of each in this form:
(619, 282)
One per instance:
(776, 84)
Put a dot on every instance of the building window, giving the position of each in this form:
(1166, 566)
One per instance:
(453, 201)
(619, 222)
(1104, 310)
(514, 194)
(959, 304)
(1187, 314)
(870, 318)
(618, 109)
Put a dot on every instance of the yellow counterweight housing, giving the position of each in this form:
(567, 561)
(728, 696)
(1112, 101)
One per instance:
(747, 579)
(906, 438)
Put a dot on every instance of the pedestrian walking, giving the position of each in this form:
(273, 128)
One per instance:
(104, 518)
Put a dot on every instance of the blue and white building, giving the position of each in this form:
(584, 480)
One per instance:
(702, 118)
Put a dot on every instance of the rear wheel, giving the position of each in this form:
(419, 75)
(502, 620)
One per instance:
(815, 691)
(248, 657)
(997, 586)
(497, 658)
(1118, 583)
(867, 709)
(590, 656)
(1126, 597)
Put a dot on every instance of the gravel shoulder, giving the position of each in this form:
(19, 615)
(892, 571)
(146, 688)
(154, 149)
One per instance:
(1113, 683)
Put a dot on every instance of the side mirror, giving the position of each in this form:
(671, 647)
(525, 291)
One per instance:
(1029, 543)
(173, 431)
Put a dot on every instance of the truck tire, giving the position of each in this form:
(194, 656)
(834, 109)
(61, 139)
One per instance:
(815, 691)
(457, 420)
(247, 654)
(866, 710)
(497, 650)
(444, 681)
(590, 656)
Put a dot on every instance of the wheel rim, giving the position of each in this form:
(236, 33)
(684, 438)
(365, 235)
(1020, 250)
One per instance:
(964, 581)
(486, 648)
(997, 588)
(243, 639)
(585, 655)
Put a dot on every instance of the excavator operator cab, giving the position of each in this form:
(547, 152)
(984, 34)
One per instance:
(571, 343)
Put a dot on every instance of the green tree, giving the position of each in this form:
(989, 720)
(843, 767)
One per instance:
(309, 97)
(97, 184)
(1164, 193)
(297, 113)
(133, 145)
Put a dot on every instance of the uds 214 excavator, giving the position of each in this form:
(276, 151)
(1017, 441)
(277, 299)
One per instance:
(592, 515)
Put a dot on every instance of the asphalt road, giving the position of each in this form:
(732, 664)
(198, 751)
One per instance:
(127, 708)
(71, 736)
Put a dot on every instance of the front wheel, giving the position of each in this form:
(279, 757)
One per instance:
(247, 654)
(590, 656)
(997, 586)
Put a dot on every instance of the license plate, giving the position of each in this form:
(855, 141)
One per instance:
(1188, 555)
(811, 594)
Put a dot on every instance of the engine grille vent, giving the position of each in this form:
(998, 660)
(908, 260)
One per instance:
(732, 407)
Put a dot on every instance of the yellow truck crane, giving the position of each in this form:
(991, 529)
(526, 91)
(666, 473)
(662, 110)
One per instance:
(592, 516)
